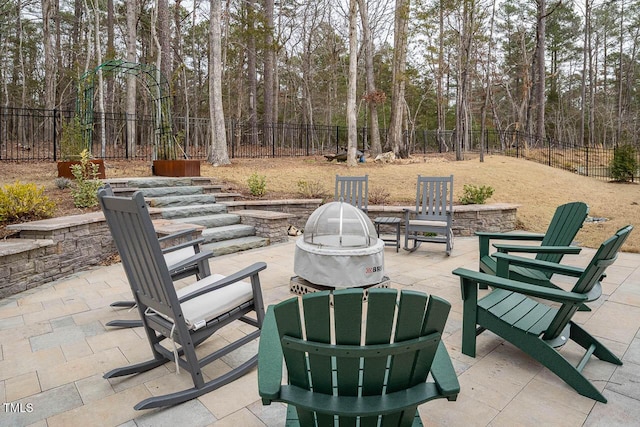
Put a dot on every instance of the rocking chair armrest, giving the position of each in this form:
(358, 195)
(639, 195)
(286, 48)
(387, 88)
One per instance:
(195, 243)
(443, 372)
(250, 271)
(551, 294)
(269, 359)
(193, 259)
(506, 260)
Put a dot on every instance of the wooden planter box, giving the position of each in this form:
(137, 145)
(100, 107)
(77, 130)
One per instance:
(176, 167)
(64, 168)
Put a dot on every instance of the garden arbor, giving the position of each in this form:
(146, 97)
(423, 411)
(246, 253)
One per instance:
(165, 146)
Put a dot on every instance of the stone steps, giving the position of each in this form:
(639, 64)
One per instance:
(196, 200)
(236, 245)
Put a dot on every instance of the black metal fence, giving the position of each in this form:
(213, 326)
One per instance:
(35, 135)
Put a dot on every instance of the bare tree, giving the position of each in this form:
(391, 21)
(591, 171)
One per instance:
(373, 97)
(49, 16)
(395, 140)
(130, 108)
(218, 154)
(352, 139)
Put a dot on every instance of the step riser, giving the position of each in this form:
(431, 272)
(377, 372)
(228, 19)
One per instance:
(219, 234)
(203, 199)
(191, 211)
(212, 221)
(232, 247)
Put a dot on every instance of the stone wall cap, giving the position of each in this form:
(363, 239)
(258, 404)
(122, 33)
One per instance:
(456, 208)
(254, 213)
(58, 222)
(271, 202)
(16, 246)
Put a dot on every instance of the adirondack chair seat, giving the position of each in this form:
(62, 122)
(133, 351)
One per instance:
(200, 311)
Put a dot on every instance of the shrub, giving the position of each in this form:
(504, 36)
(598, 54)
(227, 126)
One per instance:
(311, 189)
(62, 182)
(72, 142)
(85, 191)
(20, 202)
(624, 164)
(474, 195)
(257, 184)
(379, 196)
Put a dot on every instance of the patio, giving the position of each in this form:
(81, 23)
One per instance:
(55, 349)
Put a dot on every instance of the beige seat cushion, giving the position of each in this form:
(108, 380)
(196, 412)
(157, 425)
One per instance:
(174, 257)
(423, 222)
(204, 308)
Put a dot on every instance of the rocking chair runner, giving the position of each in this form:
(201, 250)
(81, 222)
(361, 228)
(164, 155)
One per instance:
(535, 327)
(186, 320)
(372, 371)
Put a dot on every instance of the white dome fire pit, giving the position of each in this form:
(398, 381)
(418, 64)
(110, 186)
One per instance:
(339, 249)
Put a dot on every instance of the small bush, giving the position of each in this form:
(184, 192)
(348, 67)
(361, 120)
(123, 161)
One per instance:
(85, 191)
(379, 196)
(21, 202)
(624, 164)
(311, 189)
(474, 195)
(257, 184)
(62, 182)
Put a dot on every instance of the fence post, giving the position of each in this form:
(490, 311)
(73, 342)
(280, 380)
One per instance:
(307, 137)
(587, 158)
(55, 115)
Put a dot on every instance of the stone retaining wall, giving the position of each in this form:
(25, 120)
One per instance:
(51, 249)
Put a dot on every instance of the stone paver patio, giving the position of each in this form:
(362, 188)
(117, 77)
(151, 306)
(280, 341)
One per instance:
(55, 349)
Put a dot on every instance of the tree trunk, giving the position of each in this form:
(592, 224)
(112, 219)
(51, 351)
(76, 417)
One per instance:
(352, 138)
(218, 154)
(269, 66)
(373, 97)
(49, 16)
(395, 141)
(132, 19)
(540, 86)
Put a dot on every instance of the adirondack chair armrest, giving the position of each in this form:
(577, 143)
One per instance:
(363, 406)
(444, 374)
(191, 243)
(505, 260)
(252, 270)
(269, 360)
(192, 260)
(510, 236)
(474, 278)
(568, 250)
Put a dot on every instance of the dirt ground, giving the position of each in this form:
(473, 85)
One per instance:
(538, 189)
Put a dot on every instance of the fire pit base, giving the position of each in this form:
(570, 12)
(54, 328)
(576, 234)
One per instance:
(300, 286)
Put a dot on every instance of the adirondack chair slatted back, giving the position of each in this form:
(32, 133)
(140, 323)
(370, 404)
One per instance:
(366, 356)
(142, 259)
(353, 190)
(565, 224)
(604, 257)
(434, 197)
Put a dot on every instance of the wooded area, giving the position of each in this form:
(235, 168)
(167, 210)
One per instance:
(560, 71)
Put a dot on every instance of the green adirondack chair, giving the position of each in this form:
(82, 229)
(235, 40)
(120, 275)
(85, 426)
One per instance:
(535, 327)
(347, 360)
(554, 244)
